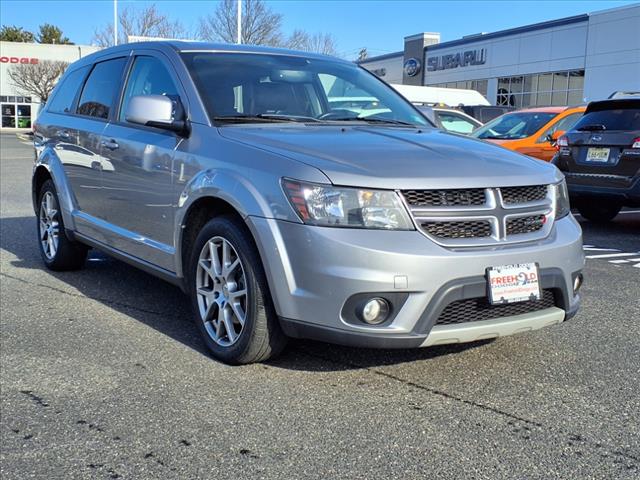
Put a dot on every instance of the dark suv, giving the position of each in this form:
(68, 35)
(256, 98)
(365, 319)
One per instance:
(600, 158)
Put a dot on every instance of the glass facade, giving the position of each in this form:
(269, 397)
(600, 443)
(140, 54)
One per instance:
(477, 85)
(541, 89)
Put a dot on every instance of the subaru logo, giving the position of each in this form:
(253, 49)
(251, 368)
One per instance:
(412, 67)
(596, 138)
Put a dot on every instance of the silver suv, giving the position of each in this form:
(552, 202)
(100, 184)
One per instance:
(227, 171)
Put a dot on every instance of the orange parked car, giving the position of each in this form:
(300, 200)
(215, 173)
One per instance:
(532, 131)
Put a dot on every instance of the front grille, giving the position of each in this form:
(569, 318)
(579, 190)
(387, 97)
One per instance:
(528, 224)
(445, 198)
(477, 309)
(470, 217)
(462, 229)
(515, 195)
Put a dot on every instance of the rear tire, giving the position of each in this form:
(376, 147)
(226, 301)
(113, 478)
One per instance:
(599, 213)
(57, 251)
(230, 296)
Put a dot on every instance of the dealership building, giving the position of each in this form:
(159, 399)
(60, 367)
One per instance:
(566, 61)
(19, 108)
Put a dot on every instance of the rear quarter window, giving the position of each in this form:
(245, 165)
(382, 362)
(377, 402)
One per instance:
(66, 92)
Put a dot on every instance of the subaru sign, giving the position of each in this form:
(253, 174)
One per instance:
(455, 60)
(412, 67)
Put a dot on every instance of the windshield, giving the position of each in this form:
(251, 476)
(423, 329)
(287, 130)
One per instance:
(246, 87)
(513, 126)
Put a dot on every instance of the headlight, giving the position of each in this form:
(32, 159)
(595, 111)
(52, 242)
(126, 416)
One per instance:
(330, 206)
(562, 199)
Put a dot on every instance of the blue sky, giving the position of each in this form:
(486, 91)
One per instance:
(378, 25)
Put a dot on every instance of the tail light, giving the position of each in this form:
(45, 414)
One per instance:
(636, 143)
(563, 141)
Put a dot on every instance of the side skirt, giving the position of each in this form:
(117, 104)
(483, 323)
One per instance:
(143, 265)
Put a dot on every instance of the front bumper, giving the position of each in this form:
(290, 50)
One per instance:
(312, 271)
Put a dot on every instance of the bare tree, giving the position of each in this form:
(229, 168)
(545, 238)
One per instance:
(260, 24)
(318, 42)
(148, 22)
(37, 79)
(363, 54)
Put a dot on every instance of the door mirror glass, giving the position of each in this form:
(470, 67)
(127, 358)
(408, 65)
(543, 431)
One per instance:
(157, 111)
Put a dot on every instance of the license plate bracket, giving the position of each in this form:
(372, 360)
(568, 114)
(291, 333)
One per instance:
(513, 283)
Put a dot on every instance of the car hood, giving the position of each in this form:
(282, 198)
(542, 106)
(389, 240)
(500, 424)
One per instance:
(398, 158)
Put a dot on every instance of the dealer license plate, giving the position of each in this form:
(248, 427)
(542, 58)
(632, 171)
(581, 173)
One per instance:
(513, 283)
(598, 155)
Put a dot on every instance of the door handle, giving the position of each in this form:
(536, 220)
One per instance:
(62, 134)
(110, 144)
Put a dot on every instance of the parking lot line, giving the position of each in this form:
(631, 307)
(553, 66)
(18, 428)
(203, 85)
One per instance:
(611, 255)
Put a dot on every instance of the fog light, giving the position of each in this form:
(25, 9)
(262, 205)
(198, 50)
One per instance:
(374, 311)
(577, 283)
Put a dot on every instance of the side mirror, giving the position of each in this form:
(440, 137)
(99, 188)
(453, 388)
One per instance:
(157, 111)
(553, 137)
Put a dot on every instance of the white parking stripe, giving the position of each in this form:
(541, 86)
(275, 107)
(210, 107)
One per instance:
(601, 249)
(611, 255)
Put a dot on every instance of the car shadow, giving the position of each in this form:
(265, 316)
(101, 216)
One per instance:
(623, 232)
(166, 309)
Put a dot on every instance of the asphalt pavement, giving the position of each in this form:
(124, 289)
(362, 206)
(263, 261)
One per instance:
(103, 375)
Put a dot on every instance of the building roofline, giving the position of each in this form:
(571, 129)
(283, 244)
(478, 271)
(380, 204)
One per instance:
(418, 36)
(511, 31)
(386, 56)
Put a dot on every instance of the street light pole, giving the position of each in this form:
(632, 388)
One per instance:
(115, 22)
(239, 26)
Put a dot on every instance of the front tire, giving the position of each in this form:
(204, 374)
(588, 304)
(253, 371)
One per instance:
(57, 251)
(230, 296)
(599, 213)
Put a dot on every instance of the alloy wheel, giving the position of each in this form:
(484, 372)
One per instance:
(221, 290)
(49, 225)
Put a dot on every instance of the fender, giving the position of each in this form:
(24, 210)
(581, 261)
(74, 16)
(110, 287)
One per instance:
(225, 185)
(49, 160)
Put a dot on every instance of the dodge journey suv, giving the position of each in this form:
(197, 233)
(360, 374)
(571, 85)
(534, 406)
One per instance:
(230, 172)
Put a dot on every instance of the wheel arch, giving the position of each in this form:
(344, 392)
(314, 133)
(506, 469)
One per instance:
(40, 175)
(49, 166)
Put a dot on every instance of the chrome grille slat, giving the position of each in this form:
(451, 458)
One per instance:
(467, 218)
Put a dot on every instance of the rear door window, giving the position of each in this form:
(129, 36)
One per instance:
(67, 91)
(101, 88)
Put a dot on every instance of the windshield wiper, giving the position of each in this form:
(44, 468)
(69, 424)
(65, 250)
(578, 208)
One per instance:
(591, 127)
(494, 137)
(374, 120)
(264, 117)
